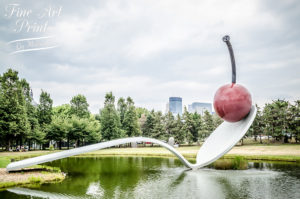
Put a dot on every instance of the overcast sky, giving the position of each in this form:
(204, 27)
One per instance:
(151, 50)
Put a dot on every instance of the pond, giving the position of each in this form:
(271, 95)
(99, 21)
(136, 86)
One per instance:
(148, 177)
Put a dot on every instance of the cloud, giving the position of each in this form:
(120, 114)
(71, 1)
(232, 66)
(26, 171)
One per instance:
(151, 50)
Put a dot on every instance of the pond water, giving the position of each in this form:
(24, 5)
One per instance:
(145, 177)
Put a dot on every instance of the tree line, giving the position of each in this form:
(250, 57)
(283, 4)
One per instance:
(279, 120)
(22, 122)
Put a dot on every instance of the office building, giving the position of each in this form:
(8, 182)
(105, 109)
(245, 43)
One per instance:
(200, 108)
(175, 105)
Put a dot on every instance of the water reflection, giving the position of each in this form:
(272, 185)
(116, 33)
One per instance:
(128, 177)
(39, 194)
(95, 190)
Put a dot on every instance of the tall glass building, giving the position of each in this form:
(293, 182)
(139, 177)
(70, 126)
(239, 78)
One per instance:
(200, 107)
(175, 105)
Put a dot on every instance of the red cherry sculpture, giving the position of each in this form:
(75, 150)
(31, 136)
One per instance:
(232, 102)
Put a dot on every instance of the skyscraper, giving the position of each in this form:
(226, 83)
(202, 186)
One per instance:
(200, 107)
(175, 105)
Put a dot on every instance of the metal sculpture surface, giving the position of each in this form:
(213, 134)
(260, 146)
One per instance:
(216, 145)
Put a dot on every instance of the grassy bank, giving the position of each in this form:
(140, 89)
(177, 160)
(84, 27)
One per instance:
(284, 152)
(33, 176)
(290, 153)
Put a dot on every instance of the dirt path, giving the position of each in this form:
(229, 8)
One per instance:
(289, 150)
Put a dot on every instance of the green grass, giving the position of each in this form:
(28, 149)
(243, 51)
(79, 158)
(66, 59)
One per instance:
(9, 184)
(34, 180)
(284, 158)
(49, 175)
(47, 168)
(4, 161)
(31, 181)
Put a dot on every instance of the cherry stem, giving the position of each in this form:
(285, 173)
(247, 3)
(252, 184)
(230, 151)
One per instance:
(226, 39)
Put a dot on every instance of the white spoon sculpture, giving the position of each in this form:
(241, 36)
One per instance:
(217, 144)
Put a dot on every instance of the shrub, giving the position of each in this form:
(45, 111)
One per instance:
(238, 163)
(51, 147)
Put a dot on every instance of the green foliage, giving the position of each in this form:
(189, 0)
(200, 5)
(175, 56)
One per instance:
(180, 130)
(34, 179)
(208, 125)
(217, 120)
(170, 125)
(142, 122)
(87, 129)
(293, 118)
(74, 128)
(149, 125)
(141, 111)
(237, 163)
(51, 147)
(57, 130)
(275, 116)
(194, 125)
(122, 108)
(79, 106)
(13, 118)
(45, 109)
(110, 120)
(64, 110)
(130, 122)
(158, 131)
(188, 127)
(256, 129)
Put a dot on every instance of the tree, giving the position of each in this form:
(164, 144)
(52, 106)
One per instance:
(45, 109)
(188, 126)
(13, 118)
(158, 127)
(93, 130)
(122, 108)
(197, 126)
(217, 120)
(130, 122)
(83, 130)
(179, 130)
(256, 129)
(294, 120)
(35, 134)
(142, 122)
(79, 106)
(79, 130)
(63, 110)
(208, 125)
(57, 129)
(141, 111)
(148, 127)
(110, 120)
(275, 116)
(170, 124)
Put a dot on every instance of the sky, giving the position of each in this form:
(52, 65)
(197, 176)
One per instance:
(151, 50)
